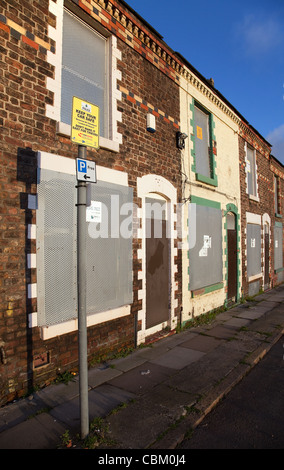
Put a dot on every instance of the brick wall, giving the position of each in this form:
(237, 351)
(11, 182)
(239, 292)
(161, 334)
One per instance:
(264, 204)
(25, 129)
(277, 171)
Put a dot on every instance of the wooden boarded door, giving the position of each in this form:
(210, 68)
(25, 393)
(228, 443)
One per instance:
(232, 257)
(157, 266)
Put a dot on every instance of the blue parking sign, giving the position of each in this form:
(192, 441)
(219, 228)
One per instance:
(81, 166)
(86, 170)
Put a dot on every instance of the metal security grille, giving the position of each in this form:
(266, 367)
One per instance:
(84, 68)
(56, 248)
(108, 248)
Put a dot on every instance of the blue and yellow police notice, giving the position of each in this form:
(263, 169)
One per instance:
(85, 123)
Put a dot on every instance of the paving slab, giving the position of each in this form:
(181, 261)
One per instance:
(221, 332)
(41, 432)
(101, 401)
(237, 322)
(142, 378)
(127, 363)
(147, 418)
(246, 341)
(178, 358)
(56, 394)
(250, 314)
(199, 377)
(202, 343)
(97, 376)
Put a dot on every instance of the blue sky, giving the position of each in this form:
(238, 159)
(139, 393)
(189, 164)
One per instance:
(239, 44)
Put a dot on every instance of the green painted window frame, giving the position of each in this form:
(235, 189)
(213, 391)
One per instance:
(213, 180)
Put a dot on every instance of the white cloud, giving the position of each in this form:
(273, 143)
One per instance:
(276, 138)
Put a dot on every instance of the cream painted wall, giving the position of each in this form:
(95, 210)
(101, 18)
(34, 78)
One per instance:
(227, 171)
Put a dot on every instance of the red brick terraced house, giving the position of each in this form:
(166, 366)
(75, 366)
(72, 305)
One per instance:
(261, 181)
(277, 171)
(103, 53)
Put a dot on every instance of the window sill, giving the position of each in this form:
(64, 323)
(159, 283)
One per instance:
(207, 290)
(206, 179)
(278, 215)
(65, 130)
(255, 277)
(48, 332)
(254, 198)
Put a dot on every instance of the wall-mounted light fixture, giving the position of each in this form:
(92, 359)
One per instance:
(181, 136)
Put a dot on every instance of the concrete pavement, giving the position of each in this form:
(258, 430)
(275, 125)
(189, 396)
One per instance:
(154, 396)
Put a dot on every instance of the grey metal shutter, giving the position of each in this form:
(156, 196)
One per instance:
(278, 247)
(109, 254)
(56, 248)
(253, 249)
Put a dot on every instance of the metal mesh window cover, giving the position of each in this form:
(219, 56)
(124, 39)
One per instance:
(84, 68)
(56, 248)
(109, 248)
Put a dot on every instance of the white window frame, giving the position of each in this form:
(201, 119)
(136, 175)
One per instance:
(255, 196)
(54, 84)
(67, 165)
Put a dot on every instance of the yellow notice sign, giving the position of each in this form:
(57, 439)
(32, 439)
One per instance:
(199, 132)
(85, 123)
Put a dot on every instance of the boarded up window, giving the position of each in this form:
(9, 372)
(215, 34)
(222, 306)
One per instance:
(253, 249)
(251, 171)
(278, 247)
(202, 155)
(56, 248)
(276, 200)
(205, 258)
(84, 68)
(108, 247)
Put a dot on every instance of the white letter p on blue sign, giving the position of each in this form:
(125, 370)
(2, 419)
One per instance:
(82, 166)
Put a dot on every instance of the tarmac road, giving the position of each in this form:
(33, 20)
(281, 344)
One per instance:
(252, 415)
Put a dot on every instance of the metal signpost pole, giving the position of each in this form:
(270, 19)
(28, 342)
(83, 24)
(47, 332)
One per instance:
(82, 322)
(84, 132)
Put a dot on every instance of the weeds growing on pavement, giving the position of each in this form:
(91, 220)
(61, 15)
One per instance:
(98, 435)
